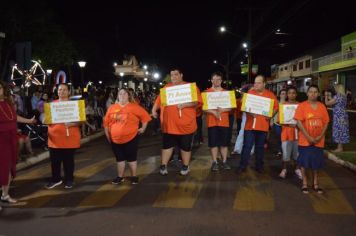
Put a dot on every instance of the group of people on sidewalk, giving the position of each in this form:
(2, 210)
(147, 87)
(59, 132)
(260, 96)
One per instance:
(125, 120)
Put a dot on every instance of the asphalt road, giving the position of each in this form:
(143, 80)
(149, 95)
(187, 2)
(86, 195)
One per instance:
(203, 203)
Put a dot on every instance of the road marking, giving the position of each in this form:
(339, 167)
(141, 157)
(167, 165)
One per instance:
(333, 201)
(41, 197)
(109, 195)
(254, 192)
(185, 194)
(39, 172)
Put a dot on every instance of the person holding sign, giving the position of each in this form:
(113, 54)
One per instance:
(8, 140)
(217, 121)
(63, 141)
(257, 126)
(312, 121)
(178, 121)
(289, 135)
(121, 123)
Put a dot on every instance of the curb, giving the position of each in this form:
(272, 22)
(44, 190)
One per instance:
(338, 160)
(45, 155)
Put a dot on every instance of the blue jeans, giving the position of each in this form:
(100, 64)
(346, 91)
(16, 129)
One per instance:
(252, 137)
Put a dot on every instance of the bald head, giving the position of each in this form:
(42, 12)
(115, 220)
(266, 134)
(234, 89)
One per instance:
(259, 84)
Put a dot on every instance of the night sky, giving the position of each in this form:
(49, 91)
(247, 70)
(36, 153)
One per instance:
(185, 35)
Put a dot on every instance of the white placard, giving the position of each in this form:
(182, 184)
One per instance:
(222, 99)
(63, 112)
(178, 94)
(257, 105)
(286, 113)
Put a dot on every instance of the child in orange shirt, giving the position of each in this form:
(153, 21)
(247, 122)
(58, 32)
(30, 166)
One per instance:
(312, 121)
(289, 138)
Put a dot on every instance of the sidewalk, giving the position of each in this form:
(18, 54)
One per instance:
(45, 154)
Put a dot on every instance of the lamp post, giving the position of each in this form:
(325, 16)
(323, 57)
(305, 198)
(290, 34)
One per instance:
(226, 69)
(82, 65)
(247, 47)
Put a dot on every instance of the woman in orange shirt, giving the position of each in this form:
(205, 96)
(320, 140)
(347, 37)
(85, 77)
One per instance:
(63, 141)
(121, 124)
(312, 121)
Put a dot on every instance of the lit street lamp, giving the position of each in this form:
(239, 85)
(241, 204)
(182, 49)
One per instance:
(82, 65)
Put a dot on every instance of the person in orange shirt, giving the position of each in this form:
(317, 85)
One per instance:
(312, 121)
(178, 124)
(289, 138)
(256, 128)
(121, 123)
(217, 121)
(63, 141)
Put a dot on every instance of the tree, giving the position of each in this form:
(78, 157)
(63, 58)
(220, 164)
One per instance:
(33, 21)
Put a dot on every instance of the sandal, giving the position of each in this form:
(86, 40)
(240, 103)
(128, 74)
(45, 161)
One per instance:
(318, 189)
(305, 189)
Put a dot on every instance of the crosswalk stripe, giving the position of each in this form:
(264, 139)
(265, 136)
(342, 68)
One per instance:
(109, 195)
(184, 194)
(41, 197)
(333, 201)
(254, 193)
(39, 172)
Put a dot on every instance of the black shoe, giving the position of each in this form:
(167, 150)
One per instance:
(117, 180)
(134, 180)
(51, 184)
(68, 185)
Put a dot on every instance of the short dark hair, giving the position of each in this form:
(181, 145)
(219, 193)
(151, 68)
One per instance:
(65, 84)
(313, 86)
(292, 88)
(217, 73)
(177, 69)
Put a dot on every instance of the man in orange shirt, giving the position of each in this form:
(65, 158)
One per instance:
(178, 124)
(217, 121)
(255, 134)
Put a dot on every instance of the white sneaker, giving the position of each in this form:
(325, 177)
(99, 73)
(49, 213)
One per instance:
(184, 170)
(283, 174)
(298, 172)
(163, 170)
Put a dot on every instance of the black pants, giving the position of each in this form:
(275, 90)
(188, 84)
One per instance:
(59, 155)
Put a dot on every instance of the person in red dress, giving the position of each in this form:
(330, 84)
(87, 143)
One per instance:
(8, 140)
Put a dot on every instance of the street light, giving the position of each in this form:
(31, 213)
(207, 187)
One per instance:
(122, 74)
(82, 65)
(145, 67)
(156, 75)
(222, 29)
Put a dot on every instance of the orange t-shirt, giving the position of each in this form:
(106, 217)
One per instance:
(57, 136)
(212, 121)
(289, 133)
(123, 121)
(171, 123)
(262, 122)
(313, 121)
(238, 112)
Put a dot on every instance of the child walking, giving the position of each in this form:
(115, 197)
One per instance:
(312, 121)
(289, 138)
